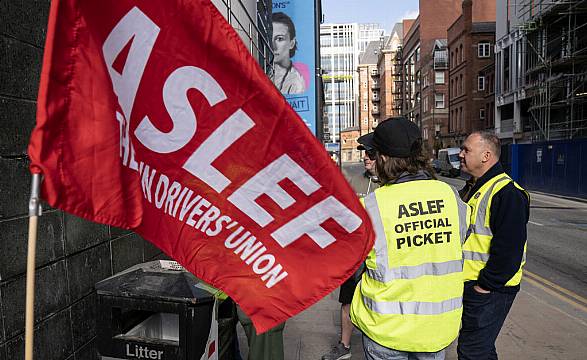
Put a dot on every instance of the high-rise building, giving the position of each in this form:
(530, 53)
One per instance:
(340, 48)
(339, 54)
(368, 33)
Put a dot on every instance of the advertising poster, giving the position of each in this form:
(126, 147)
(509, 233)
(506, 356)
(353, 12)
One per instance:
(294, 52)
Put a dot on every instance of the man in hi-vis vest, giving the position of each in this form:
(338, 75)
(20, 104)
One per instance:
(408, 303)
(496, 249)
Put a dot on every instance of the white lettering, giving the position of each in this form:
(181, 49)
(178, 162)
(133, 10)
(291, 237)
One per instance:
(248, 247)
(135, 26)
(309, 223)
(197, 210)
(267, 181)
(179, 109)
(210, 215)
(268, 258)
(200, 162)
(219, 225)
(172, 194)
(147, 181)
(163, 182)
(274, 276)
(230, 244)
(187, 204)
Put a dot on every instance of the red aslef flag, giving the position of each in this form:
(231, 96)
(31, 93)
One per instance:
(153, 116)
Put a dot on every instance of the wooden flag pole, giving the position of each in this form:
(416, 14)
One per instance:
(34, 213)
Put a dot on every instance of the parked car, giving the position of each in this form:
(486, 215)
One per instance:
(449, 162)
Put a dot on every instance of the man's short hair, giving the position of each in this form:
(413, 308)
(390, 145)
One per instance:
(492, 141)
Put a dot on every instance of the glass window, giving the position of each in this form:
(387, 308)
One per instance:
(481, 83)
(439, 77)
(484, 50)
(482, 114)
(439, 101)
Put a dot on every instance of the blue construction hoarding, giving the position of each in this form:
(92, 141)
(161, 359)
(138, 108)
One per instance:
(557, 167)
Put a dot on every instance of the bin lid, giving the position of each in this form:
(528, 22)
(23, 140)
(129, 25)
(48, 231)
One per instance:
(151, 281)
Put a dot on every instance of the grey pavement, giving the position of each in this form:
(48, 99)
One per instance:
(539, 326)
(548, 319)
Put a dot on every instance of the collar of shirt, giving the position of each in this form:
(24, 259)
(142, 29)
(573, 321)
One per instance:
(406, 176)
(490, 174)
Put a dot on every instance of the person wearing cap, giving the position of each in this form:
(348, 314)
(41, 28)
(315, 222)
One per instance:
(495, 253)
(408, 303)
(362, 185)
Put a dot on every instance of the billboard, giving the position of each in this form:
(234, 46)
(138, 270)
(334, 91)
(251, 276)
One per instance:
(294, 51)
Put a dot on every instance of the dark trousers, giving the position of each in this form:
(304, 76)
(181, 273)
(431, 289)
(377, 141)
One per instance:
(267, 346)
(483, 317)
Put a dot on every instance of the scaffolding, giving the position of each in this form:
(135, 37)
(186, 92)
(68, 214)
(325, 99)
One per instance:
(555, 56)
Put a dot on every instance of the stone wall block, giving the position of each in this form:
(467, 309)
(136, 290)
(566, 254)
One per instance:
(25, 20)
(81, 234)
(88, 352)
(20, 68)
(14, 243)
(52, 339)
(150, 251)
(118, 232)
(18, 119)
(85, 269)
(126, 252)
(50, 296)
(15, 187)
(83, 318)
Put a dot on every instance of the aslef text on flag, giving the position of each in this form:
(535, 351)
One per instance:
(153, 116)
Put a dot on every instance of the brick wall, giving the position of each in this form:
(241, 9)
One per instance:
(72, 254)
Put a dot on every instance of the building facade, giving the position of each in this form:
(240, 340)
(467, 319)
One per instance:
(340, 49)
(541, 70)
(252, 21)
(388, 73)
(423, 58)
(411, 73)
(368, 100)
(368, 33)
(339, 54)
(471, 40)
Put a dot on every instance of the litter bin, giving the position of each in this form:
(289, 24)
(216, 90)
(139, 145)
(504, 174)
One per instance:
(157, 310)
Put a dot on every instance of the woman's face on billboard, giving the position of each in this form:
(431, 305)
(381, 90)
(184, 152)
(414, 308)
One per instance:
(282, 44)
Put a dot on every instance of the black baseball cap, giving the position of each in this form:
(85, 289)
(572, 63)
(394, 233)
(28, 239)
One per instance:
(364, 142)
(395, 137)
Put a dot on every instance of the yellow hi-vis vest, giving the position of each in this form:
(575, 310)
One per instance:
(476, 249)
(410, 295)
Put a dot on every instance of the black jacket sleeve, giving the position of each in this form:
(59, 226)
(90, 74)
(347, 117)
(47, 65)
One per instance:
(509, 215)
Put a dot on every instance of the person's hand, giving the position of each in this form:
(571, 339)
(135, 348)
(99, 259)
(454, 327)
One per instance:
(480, 290)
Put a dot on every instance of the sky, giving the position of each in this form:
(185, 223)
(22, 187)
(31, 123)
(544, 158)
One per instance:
(384, 12)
